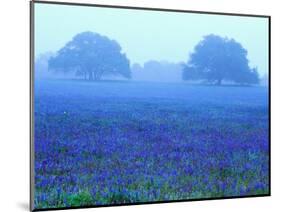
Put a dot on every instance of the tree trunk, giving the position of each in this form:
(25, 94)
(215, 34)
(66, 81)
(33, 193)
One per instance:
(97, 76)
(219, 81)
(91, 76)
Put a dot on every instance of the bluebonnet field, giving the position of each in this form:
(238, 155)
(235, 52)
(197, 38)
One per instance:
(126, 142)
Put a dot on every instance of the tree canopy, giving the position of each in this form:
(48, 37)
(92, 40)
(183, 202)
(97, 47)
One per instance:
(92, 56)
(216, 59)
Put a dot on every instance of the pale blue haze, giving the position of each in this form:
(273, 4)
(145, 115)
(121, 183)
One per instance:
(146, 35)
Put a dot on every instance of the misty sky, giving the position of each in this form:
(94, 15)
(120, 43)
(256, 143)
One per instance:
(146, 35)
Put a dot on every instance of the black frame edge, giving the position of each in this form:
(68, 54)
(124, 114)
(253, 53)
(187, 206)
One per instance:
(153, 202)
(269, 105)
(147, 8)
(31, 100)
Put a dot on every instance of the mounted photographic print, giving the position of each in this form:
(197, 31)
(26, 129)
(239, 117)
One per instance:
(139, 105)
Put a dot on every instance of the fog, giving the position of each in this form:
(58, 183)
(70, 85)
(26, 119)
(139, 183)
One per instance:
(159, 71)
(147, 35)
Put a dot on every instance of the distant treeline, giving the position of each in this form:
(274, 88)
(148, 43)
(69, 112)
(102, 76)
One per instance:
(93, 57)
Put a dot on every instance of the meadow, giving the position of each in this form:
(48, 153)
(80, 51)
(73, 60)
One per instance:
(100, 143)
